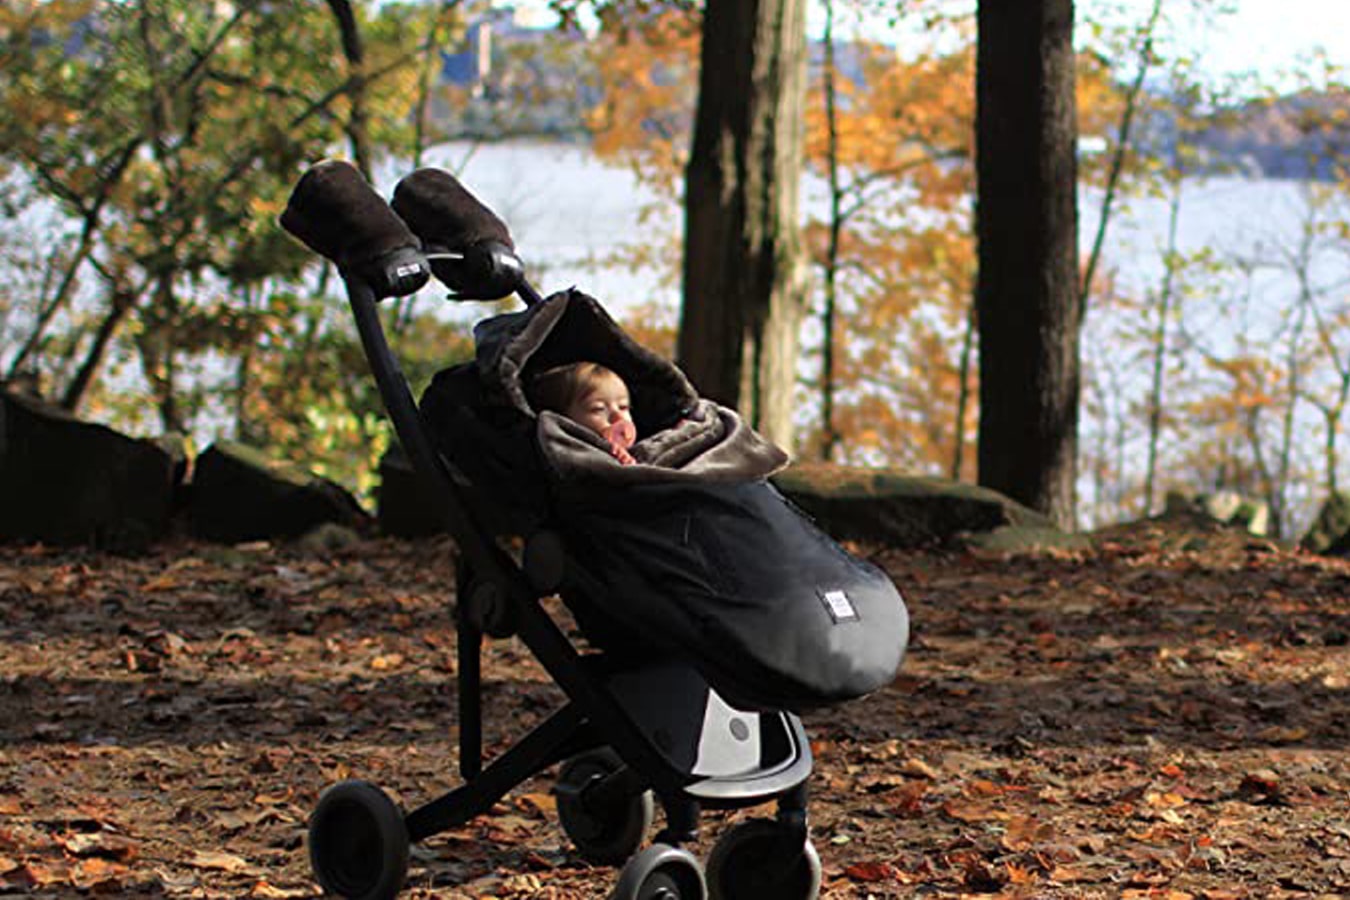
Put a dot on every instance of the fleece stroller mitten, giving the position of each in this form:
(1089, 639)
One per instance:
(336, 213)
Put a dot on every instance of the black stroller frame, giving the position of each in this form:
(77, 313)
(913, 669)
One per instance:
(613, 735)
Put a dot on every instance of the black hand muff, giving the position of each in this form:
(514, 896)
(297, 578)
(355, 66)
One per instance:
(335, 212)
(469, 247)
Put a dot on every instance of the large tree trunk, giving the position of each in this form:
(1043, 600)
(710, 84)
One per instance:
(743, 270)
(1026, 224)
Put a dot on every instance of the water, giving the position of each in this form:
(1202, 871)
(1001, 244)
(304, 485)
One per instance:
(569, 212)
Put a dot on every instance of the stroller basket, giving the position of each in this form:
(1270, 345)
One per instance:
(646, 718)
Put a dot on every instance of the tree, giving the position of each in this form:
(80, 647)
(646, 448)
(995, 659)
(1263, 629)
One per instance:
(1027, 293)
(166, 135)
(743, 271)
(889, 138)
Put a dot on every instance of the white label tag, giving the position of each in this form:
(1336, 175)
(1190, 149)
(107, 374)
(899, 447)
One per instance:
(840, 607)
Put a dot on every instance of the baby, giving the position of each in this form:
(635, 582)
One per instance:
(591, 395)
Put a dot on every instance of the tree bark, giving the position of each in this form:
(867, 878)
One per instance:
(1160, 342)
(743, 267)
(358, 133)
(830, 436)
(121, 302)
(1027, 291)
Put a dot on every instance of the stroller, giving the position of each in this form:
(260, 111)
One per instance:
(713, 612)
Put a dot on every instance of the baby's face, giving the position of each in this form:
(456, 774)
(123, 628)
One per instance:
(604, 404)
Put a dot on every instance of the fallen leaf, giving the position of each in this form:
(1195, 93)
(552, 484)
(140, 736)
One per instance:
(1280, 734)
(102, 844)
(38, 875)
(918, 768)
(235, 821)
(870, 872)
(387, 662)
(907, 800)
(264, 889)
(1159, 800)
(97, 875)
(1070, 874)
(275, 799)
(967, 811)
(219, 861)
(543, 804)
(1025, 832)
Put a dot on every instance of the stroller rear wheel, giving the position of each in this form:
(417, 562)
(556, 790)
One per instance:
(358, 842)
(661, 872)
(762, 858)
(607, 828)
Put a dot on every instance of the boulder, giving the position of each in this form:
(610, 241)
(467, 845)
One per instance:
(899, 510)
(240, 495)
(1223, 506)
(66, 481)
(403, 507)
(1330, 531)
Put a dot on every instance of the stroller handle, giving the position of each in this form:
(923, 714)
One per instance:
(432, 469)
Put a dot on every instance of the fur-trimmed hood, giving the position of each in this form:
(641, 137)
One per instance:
(680, 435)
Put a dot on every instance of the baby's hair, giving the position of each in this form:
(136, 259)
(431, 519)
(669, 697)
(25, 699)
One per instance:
(556, 389)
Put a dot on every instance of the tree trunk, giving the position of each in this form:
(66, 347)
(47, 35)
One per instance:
(830, 437)
(743, 275)
(358, 134)
(1133, 98)
(122, 300)
(1160, 341)
(1027, 291)
(963, 394)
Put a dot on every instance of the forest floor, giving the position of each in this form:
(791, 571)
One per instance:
(1165, 716)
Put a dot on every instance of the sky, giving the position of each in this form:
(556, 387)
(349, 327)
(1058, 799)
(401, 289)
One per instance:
(1268, 37)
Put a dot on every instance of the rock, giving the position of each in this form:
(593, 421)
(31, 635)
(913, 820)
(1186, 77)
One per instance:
(402, 504)
(66, 481)
(1223, 506)
(898, 510)
(1330, 531)
(176, 446)
(1027, 539)
(239, 495)
(328, 539)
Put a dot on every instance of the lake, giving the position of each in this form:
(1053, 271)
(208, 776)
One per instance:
(568, 212)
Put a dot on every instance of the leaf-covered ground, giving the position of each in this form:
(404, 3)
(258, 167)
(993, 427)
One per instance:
(1165, 717)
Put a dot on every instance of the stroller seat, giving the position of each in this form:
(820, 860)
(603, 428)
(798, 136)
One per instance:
(713, 610)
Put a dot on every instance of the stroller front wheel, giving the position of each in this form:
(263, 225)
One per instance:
(607, 826)
(762, 858)
(358, 842)
(661, 872)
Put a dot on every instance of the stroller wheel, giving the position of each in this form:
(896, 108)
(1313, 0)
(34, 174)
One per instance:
(358, 843)
(661, 872)
(757, 858)
(607, 827)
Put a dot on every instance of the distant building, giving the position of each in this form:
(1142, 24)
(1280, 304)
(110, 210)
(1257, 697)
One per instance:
(469, 68)
(516, 76)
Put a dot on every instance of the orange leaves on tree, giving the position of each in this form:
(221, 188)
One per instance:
(898, 145)
(648, 76)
